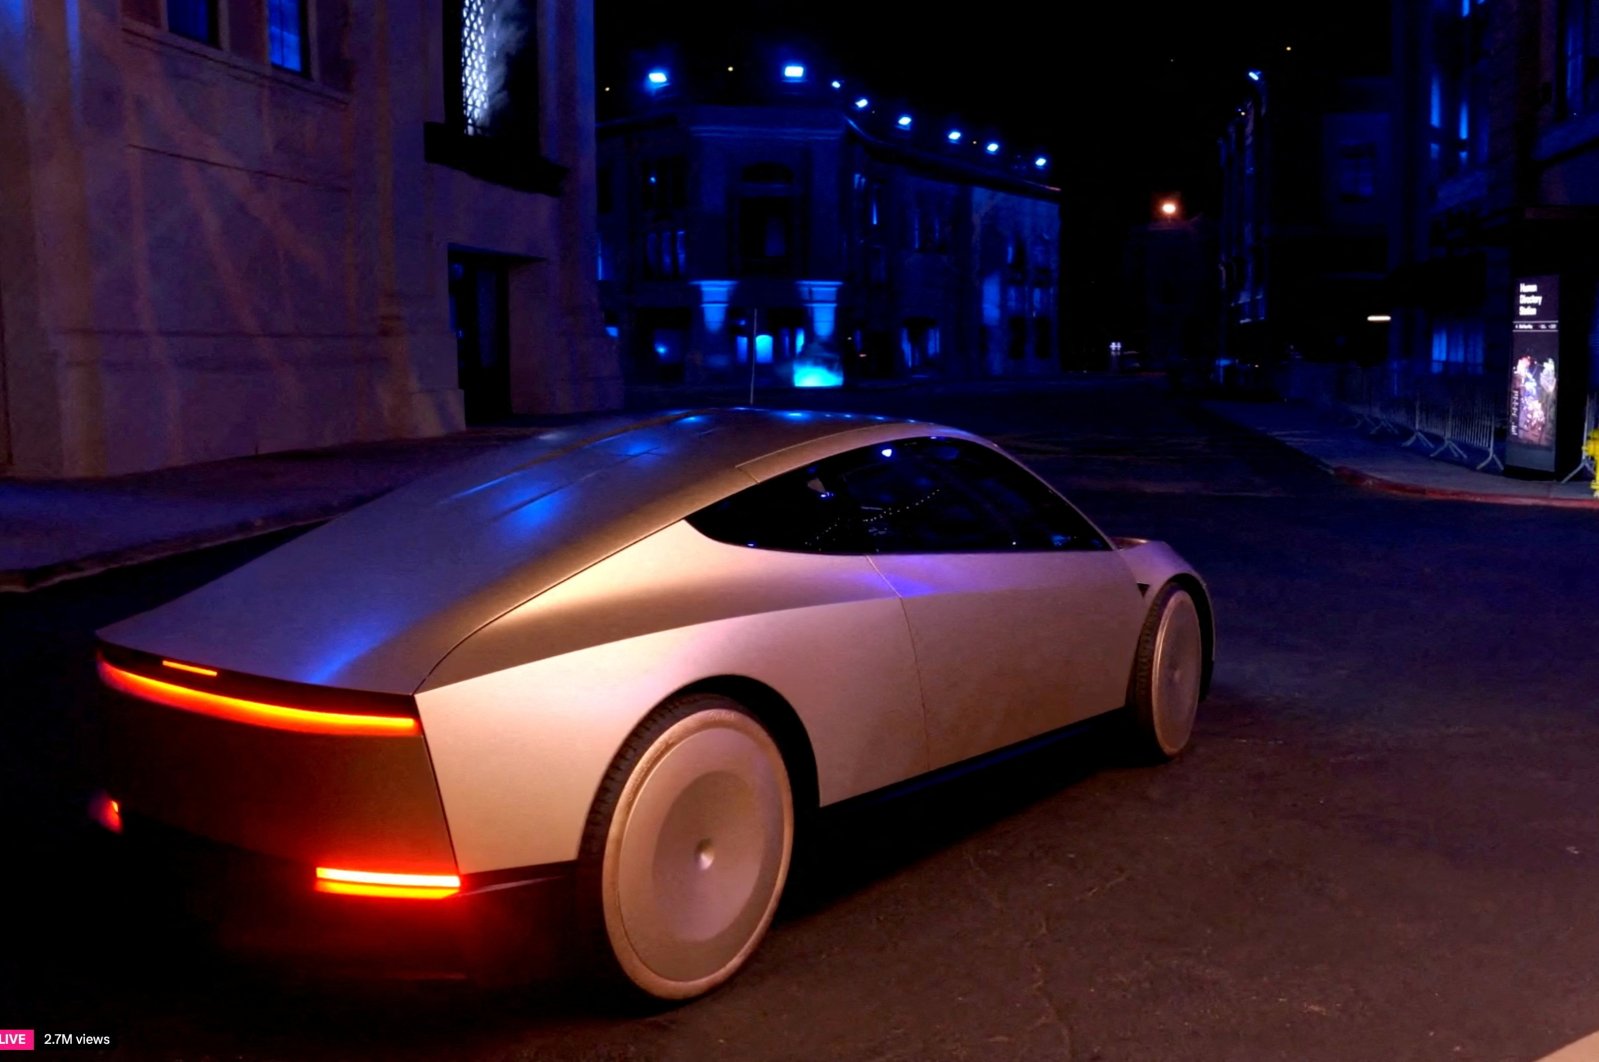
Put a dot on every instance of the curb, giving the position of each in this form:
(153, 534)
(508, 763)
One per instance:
(1355, 477)
(25, 580)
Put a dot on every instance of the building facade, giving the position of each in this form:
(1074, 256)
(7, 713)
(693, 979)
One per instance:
(236, 226)
(789, 230)
(1497, 148)
(1303, 233)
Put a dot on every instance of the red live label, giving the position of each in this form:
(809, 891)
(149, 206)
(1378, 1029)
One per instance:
(16, 1039)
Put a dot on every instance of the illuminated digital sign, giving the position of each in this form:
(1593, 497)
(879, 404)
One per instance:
(1534, 374)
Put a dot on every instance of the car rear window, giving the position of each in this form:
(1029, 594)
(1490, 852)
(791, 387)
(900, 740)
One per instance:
(799, 511)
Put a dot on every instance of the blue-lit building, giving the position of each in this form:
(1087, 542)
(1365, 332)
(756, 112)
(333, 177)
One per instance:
(229, 227)
(1497, 151)
(767, 216)
(1303, 233)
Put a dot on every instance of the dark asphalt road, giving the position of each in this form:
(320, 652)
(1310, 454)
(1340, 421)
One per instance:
(1383, 844)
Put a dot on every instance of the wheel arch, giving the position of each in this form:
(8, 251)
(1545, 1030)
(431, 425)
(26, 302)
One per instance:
(1207, 617)
(784, 723)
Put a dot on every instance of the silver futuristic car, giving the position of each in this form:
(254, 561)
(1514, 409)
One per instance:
(583, 688)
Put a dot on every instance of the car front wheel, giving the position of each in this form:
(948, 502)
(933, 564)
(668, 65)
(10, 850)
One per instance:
(1167, 674)
(687, 848)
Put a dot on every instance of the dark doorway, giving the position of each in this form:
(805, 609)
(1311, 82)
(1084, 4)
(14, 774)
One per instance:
(920, 344)
(479, 293)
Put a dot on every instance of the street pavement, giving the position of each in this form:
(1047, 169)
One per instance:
(1382, 845)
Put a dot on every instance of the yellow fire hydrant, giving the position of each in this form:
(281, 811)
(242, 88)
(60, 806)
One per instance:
(1591, 448)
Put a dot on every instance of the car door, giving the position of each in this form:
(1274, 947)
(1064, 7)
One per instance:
(1022, 616)
(818, 623)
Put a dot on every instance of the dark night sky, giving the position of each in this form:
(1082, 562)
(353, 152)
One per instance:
(1128, 97)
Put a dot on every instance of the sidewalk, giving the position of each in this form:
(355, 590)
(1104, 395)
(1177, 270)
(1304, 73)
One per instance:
(52, 530)
(1384, 464)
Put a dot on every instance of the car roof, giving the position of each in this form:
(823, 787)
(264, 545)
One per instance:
(374, 599)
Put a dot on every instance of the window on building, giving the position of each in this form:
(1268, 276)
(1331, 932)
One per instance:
(495, 88)
(1356, 172)
(766, 234)
(1016, 338)
(929, 225)
(1016, 256)
(658, 345)
(286, 34)
(772, 173)
(663, 185)
(766, 238)
(1043, 259)
(665, 254)
(876, 266)
(194, 19)
(1043, 337)
(1578, 76)
(1457, 346)
(919, 342)
(1458, 92)
(602, 190)
(490, 73)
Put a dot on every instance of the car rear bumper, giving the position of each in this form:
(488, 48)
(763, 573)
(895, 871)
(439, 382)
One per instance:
(500, 928)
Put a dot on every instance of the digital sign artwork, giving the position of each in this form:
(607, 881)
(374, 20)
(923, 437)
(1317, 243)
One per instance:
(1534, 374)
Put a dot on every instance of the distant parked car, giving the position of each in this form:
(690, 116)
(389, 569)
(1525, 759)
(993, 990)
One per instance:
(597, 682)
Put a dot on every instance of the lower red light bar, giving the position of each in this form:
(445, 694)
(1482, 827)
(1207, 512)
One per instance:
(393, 886)
(257, 713)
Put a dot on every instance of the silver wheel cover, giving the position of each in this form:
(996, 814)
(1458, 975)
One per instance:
(697, 854)
(1177, 673)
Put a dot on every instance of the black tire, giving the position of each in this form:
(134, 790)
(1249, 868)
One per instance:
(678, 879)
(1168, 674)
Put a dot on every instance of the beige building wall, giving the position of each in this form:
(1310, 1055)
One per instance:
(202, 256)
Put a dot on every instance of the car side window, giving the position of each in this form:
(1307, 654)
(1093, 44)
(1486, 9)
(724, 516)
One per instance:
(929, 495)
(1036, 518)
(906, 506)
(803, 511)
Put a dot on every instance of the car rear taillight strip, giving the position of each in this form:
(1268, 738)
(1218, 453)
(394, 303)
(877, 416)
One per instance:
(392, 886)
(255, 713)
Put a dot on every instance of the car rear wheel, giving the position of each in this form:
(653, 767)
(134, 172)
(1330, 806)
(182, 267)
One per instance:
(1167, 674)
(687, 848)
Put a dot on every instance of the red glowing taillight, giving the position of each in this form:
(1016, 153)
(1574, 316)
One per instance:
(106, 811)
(391, 886)
(245, 710)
